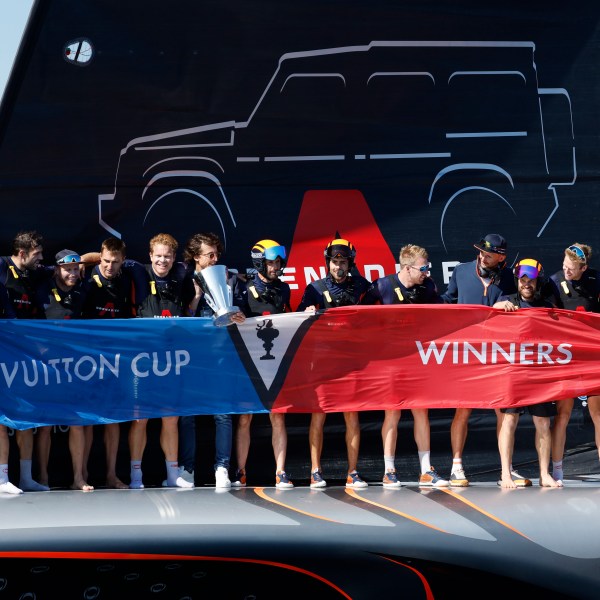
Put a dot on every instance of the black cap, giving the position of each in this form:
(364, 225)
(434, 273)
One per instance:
(492, 242)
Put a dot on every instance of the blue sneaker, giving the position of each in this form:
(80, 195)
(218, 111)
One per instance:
(432, 479)
(354, 481)
(282, 481)
(390, 479)
(316, 479)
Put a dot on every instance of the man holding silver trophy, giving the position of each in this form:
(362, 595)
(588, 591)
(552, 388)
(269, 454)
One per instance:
(218, 293)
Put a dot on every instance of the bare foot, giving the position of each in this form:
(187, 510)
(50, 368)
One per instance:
(82, 485)
(507, 482)
(549, 481)
(116, 484)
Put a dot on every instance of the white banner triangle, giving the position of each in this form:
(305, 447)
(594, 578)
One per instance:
(267, 340)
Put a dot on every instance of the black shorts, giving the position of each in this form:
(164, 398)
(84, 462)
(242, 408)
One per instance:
(544, 409)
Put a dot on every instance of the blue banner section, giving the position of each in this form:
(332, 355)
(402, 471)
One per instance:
(93, 372)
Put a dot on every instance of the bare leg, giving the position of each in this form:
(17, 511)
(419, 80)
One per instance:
(506, 443)
(559, 430)
(25, 444)
(389, 431)
(43, 440)
(352, 439)
(499, 417)
(4, 445)
(315, 439)
(242, 440)
(279, 439)
(459, 430)
(543, 445)
(137, 438)
(594, 408)
(169, 438)
(421, 429)
(77, 448)
(87, 449)
(111, 445)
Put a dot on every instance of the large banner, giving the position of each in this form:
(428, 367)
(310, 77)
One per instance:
(345, 359)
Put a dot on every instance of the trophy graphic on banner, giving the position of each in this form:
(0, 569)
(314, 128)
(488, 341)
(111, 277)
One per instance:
(213, 281)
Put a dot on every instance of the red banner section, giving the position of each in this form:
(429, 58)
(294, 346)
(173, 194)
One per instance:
(321, 221)
(392, 357)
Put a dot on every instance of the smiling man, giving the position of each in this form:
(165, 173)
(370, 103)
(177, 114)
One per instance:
(412, 284)
(62, 299)
(529, 277)
(577, 287)
(202, 251)
(168, 294)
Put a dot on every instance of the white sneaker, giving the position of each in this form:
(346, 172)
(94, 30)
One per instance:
(9, 488)
(222, 478)
(458, 478)
(183, 483)
(184, 474)
(187, 475)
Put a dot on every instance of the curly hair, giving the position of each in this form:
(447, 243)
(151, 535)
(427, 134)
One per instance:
(194, 245)
(164, 239)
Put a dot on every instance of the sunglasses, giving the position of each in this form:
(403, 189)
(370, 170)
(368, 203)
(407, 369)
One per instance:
(211, 255)
(424, 269)
(578, 252)
(70, 258)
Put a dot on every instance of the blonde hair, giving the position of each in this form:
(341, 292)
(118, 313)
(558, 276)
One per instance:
(587, 250)
(409, 253)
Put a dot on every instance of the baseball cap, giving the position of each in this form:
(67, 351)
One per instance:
(492, 242)
(67, 257)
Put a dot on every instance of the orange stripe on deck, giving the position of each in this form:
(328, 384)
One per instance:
(483, 512)
(353, 493)
(259, 491)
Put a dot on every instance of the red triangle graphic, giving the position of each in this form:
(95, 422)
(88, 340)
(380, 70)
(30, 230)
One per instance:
(323, 213)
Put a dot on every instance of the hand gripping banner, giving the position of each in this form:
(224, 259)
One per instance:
(345, 359)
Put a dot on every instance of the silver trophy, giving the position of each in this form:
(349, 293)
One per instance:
(219, 296)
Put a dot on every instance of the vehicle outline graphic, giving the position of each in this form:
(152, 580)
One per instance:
(460, 144)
